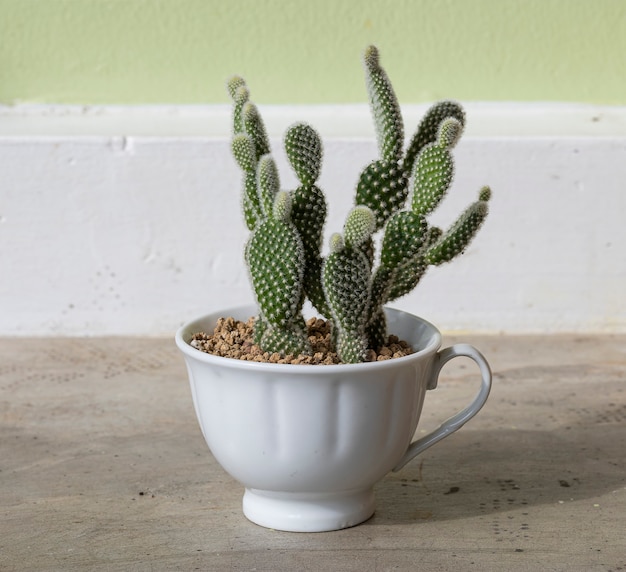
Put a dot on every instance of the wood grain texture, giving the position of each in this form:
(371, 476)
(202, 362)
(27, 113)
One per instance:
(103, 467)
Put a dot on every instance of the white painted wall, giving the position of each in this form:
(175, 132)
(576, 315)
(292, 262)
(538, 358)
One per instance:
(127, 221)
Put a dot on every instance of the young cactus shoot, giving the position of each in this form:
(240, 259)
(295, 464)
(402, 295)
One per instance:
(395, 194)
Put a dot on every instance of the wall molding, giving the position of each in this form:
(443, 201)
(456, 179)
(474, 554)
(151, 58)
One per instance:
(486, 119)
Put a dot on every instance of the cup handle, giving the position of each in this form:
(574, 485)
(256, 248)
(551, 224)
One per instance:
(456, 421)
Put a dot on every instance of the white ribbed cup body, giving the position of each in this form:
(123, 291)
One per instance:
(309, 442)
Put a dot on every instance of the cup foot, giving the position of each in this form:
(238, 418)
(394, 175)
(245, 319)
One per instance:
(299, 512)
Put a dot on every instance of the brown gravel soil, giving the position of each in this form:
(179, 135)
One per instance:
(234, 339)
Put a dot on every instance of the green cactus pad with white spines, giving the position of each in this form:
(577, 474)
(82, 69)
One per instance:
(268, 184)
(456, 239)
(408, 274)
(303, 148)
(253, 125)
(346, 277)
(243, 151)
(403, 239)
(385, 107)
(286, 340)
(383, 187)
(359, 226)
(434, 169)
(428, 128)
(277, 280)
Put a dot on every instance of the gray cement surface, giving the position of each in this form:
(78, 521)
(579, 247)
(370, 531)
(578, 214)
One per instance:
(103, 467)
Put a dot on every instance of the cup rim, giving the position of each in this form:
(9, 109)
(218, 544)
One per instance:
(186, 348)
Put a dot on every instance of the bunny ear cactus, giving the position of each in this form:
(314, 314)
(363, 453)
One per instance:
(304, 152)
(284, 250)
(434, 168)
(346, 276)
(409, 244)
(385, 107)
(243, 151)
(240, 95)
(429, 127)
(249, 144)
(424, 172)
(382, 185)
(456, 239)
(277, 280)
(402, 243)
(283, 253)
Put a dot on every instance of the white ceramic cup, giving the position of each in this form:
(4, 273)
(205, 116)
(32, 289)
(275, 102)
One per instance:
(309, 442)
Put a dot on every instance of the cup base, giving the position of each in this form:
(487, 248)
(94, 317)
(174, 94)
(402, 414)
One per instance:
(298, 512)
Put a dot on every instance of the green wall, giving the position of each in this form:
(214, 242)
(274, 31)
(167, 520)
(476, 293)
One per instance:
(308, 51)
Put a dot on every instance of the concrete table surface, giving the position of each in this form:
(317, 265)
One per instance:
(103, 467)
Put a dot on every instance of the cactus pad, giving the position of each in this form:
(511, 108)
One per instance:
(253, 125)
(385, 107)
(433, 175)
(359, 226)
(304, 151)
(429, 127)
(268, 183)
(454, 241)
(277, 280)
(309, 215)
(346, 280)
(404, 238)
(383, 187)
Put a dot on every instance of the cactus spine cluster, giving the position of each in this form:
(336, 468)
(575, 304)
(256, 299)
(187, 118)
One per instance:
(348, 286)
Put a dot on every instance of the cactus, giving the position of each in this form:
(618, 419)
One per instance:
(382, 185)
(303, 147)
(346, 276)
(284, 251)
(277, 280)
(456, 239)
